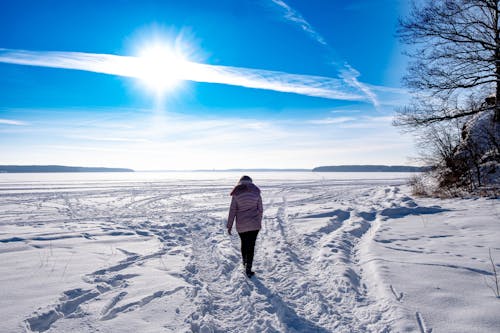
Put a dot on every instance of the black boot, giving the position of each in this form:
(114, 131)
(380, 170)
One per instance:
(249, 272)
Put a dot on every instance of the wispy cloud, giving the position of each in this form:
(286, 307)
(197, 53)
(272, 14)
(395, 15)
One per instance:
(361, 122)
(294, 16)
(185, 140)
(129, 66)
(351, 75)
(347, 72)
(347, 87)
(365, 122)
(12, 122)
(107, 139)
(330, 121)
(344, 110)
(390, 96)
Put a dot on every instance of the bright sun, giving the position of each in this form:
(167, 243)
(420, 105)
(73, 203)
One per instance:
(161, 67)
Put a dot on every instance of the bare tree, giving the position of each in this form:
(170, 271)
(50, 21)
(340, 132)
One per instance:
(437, 143)
(464, 151)
(455, 52)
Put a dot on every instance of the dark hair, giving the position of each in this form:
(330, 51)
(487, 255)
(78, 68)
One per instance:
(244, 184)
(245, 178)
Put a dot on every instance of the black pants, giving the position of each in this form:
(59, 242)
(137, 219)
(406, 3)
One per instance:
(247, 247)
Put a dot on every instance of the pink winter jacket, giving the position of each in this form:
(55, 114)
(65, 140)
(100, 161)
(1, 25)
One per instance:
(246, 207)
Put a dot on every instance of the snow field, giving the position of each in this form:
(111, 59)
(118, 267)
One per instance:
(437, 265)
(334, 255)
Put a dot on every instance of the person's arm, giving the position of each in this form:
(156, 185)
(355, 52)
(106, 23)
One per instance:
(260, 208)
(232, 214)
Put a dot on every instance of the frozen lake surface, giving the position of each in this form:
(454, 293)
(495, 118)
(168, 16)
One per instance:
(148, 252)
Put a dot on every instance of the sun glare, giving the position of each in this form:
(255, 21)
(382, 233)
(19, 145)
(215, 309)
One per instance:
(161, 67)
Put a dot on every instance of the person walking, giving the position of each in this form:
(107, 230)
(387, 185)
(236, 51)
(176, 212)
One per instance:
(246, 207)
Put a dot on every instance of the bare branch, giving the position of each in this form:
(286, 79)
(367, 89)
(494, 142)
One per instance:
(458, 53)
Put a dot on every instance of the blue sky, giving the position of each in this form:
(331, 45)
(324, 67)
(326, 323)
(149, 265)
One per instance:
(201, 84)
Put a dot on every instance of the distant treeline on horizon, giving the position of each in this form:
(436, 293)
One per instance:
(369, 168)
(334, 168)
(56, 168)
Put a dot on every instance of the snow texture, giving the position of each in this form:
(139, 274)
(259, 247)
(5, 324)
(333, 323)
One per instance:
(149, 253)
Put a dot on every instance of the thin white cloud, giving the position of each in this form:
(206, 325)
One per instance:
(330, 121)
(295, 17)
(129, 66)
(187, 141)
(351, 75)
(380, 119)
(107, 139)
(12, 122)
(390, 96)
(366, 122)
(347, 72)
(344, 110)
(362, 122)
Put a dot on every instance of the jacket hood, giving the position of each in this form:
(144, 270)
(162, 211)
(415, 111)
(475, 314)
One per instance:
(245, 187)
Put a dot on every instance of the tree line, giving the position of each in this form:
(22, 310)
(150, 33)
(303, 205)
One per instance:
(454, 78)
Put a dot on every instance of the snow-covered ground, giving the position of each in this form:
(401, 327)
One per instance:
(149, 252)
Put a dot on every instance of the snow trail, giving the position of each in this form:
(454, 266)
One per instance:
(162, 247)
